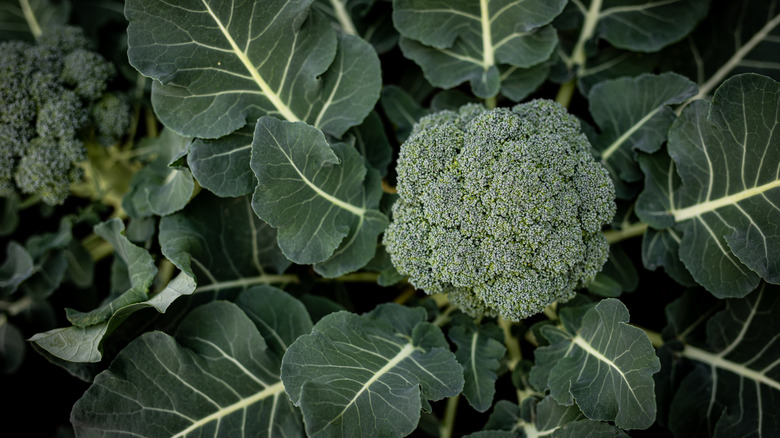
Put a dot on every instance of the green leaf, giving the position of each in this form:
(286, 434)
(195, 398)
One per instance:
(479, 351)
(222, 244)
(9, 214)
(215, 377)
(365, 375)
(660, 248)
(140, 270)
(734, 387)
(12, 346)
(22, 19)
(160, 189)
(17, 268)
(726, 156)
(372, 143)
(401, 108)
(222, 65)
(640, 25)
(633, 114)
(734, 38)
(222, 165)
(600, 362)
(617, 276)
(85, 343)
(316, 195)
(462, 41)
(519, 83)
(368, 19)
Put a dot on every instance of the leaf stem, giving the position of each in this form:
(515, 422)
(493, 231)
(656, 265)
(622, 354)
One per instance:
(512, 344)
(627, 232)
(342, 15)
(566, 92)
(249, 281)
(29, 202)
(592, 16)
(655, 338)
(356, 277)
(16, 307)
(29, 16)
(447, 425)
(491, 102)
(444, 317)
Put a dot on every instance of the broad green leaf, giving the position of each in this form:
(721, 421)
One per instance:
(402, 110)
(734, 387)
(601, 363)
(222, 244)
(17, 268)
(458, 41)
(85, 343)
(633, 114)
(221, 65)
(216, 377)
(222, 165)
(24, 19)
(479, 351)
(372, 143)
(318, 196)
(160, 189)
(367, 375)
(368, 19)
(611, 63)
(734, 38)
(12, 346)
(140, 269)
(279, 317)
(727, 158)
(617, 276)
(544, 418)
(636, 25)
(660, 248)
(519, 83)
(9, 214)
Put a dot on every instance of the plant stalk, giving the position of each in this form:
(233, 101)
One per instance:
(633, 230)
(448, 424)
(512, 344)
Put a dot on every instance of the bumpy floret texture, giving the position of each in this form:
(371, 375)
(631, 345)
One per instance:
(46, 91)
(501, 209)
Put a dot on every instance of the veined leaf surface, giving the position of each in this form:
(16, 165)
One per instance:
(219, 65)
(601, 363)
(727, 157)
(479, 351)
(733, 389)
(458, 41)
(634, 114)
(369, 375)
(217, 376)
(316, 195)
(222, 244)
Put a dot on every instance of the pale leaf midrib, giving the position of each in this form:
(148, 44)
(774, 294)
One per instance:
(270, 94)
(697, 210)
(327, 196)
(404, 353)
(585, 345)
(716, 361)
(623, 138)
(269, 391)
(488, 57)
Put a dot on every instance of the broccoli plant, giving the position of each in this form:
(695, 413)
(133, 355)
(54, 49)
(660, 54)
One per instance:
(327, 218)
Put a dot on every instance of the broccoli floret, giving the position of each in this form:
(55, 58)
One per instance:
(48, 167)
(111, 116)
(87, 73)
(46, 92)
(501, 209)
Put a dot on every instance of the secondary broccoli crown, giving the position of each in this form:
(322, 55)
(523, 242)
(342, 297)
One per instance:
(46, 92)
(501, 209)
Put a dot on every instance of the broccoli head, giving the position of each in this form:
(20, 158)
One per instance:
(501, 209)
(47, 92)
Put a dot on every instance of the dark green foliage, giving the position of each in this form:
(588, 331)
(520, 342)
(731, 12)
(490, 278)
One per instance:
(501, 209)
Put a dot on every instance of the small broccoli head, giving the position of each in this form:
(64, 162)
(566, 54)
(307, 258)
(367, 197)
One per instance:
(48, 167)
(500, 209)
(87, 73)
(111, 117)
